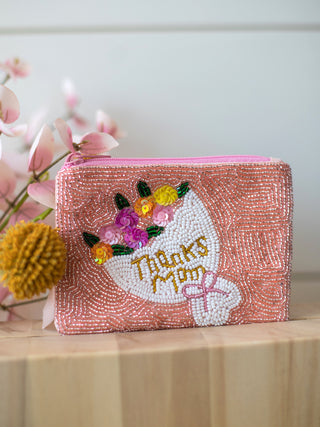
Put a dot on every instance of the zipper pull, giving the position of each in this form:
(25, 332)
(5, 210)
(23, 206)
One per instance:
(77, 158)
(74, 159)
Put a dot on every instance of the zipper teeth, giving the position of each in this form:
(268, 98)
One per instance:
(160, 161)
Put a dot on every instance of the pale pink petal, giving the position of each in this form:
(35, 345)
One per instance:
(9, 105)
(118, 134)
(5, 129)
(97, 143)
(4, 292)
(3, 205)
(19, 129)
(79, 121)
(8, 180)
(42, 150)
(48, 309)
(70, 94)
(27, 212)
(65, 133)
(106, 124)
(43, 192)
(18, 162)
(15, 130)
(12, 316)
(17, 68)
(34, 125)
(103, 121)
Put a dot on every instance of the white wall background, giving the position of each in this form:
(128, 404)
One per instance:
(186, 78)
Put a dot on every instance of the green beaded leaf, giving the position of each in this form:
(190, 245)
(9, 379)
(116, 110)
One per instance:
(121, 250)
(90, 239)
(183, 189)
(143, 189)
(121, 201)
(154, 231)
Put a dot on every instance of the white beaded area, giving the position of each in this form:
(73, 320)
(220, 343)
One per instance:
(218, 305)
(187, 248)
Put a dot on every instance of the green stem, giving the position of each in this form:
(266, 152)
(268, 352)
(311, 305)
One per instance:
(7, 77)
(14, 210)
(23, 191)
(43, 215)
(18, 304)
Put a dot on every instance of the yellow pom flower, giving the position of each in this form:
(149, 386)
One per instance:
(32, 258)
(165, 195)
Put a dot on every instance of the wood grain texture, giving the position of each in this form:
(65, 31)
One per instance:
(258, 374)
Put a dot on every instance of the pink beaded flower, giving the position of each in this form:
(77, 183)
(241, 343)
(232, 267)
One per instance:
(110, 234)
(126, 218)
(162, 215)
(136, 238)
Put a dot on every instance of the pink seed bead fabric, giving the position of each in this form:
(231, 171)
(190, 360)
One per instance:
(224, 257)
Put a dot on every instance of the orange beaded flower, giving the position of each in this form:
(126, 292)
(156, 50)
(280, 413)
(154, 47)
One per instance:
(101, 252)
(144, 206)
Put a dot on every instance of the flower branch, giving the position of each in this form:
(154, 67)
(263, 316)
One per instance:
(34, 244)
(18, 304)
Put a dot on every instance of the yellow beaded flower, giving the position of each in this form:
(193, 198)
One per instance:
(32, 258)
(165, 195)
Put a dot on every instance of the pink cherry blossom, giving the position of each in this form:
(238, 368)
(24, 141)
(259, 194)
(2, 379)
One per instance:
(107, 125)
(79, 121)
(91, 143)
(162, 215)
(34, 125)
(65, 134)
(42, 150)
(13, 131)
(9, 113)
(9, 105)
(15, 68)
(70, 94)
(43, 192)
(110, 234)
(3, 207)
(8, 180)
(18, 162)
(27, 212)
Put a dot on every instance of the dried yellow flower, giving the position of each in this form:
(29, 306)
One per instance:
(32, 258)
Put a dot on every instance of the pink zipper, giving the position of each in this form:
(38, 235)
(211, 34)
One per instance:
(76, 159)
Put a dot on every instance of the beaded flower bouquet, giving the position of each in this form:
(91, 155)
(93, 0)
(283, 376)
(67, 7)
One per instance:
(171, 243)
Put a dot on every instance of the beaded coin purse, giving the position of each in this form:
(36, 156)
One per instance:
(172, 243)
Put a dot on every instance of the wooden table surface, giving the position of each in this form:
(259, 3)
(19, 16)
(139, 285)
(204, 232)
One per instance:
(261, 375)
